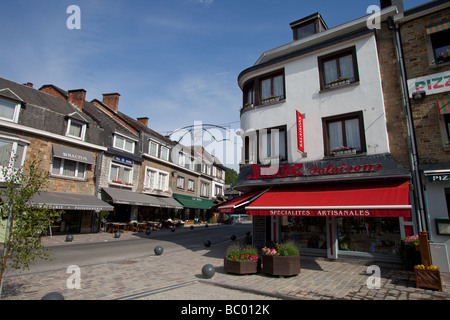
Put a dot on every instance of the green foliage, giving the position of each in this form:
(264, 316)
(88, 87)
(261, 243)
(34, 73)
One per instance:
(287, 249)
(27, 221)
(230, 176)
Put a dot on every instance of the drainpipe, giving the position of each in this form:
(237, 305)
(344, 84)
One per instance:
(413, 156)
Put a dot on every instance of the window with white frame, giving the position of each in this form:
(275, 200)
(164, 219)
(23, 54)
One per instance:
(9, 110)
(181, 159)
(218, 191)
(123, 143)
(12, 153)
(68, 168)
(156, 180)
(164, 153)
(191, 185)
(204, 189)
(180, 182)
(76, 129)
(153, 148)
(120, 174)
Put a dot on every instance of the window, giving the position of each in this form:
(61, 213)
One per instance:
(262, 90)
(344, 131)
(218, 191)
(272, 143)
(153, 148)
(12, 153)
(304, 30)
(68, 168)
(76, 129)
(120, 174)
(123, 143)
(181, 159)
(440, 41)
(204, 189)
(272, 86)
(9, 110)
(180, 182)
(338, 68)
(164, 153)
(191, 185)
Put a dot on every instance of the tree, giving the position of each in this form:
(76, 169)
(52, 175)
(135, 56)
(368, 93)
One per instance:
(230, 176)
(27, 221)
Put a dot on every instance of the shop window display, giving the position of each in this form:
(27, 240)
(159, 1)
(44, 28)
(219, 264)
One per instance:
(306, 232)
(372, 235)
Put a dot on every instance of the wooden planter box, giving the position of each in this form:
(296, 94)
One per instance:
(281, 266)
(428, 279)
(240, 267)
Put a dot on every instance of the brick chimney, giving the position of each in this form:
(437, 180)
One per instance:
(143, 120)
(388, 3)
(77, 98)
(111, 100)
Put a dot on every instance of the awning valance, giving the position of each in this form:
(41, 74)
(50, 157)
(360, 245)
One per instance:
(440, 26)
(71, 201)
(73, 154)
(352, 200)
(193, 202)
(134, 198)
(444, 106)
(242, 200)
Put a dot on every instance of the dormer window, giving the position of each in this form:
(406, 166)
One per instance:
(308, 26)
(76, 129)
(9, 110)
(123, 143)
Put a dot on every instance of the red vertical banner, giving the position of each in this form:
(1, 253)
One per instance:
(300, 138)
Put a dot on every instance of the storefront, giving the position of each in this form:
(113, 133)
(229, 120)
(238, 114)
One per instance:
(355, 205)
(135, 206)
(80, 211)
(195, 208)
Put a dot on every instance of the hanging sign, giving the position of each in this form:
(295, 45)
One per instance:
(300, 138)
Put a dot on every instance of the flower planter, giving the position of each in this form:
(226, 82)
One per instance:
(339, 83)
(270, 100)
(240, 267)
(281, 265)
(426, 278)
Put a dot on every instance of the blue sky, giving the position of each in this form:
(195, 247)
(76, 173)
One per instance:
(174, 61)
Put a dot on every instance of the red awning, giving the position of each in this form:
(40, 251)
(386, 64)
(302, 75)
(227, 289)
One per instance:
(230, 205)
(352, 200)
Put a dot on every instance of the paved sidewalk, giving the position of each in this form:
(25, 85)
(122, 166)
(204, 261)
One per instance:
(176, 274)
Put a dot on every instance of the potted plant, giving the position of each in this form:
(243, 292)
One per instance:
(409, 252)
(338, 82)
(443, 57)
(270, 99)
(428, 277)
(281, 259)
(241, 260)
(344, 150)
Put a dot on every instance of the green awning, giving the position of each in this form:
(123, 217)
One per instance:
(193, 202)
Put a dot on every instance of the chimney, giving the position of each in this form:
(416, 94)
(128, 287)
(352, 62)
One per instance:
(111, 100)
(28, 84)
(388, 3)
(143, 120)
(77, 97)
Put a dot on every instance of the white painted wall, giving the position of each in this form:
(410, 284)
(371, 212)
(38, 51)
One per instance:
(303, 94)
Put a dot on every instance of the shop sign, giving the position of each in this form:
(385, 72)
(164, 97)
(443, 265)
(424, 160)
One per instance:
(438, 178)
(123, 160)
(431, 84)
(300, 170)
(300, 139)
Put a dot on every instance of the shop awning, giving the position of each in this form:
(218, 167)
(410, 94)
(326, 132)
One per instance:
(436, 27)
(170, 203)
(133, 198)
(73, 154)
(338, 200)
(71, 201)
(444, 106)
(242, 200)
(193, 202)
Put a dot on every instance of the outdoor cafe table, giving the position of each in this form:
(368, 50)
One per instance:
(118, 226)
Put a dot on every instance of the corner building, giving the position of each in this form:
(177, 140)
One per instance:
(317, 166)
